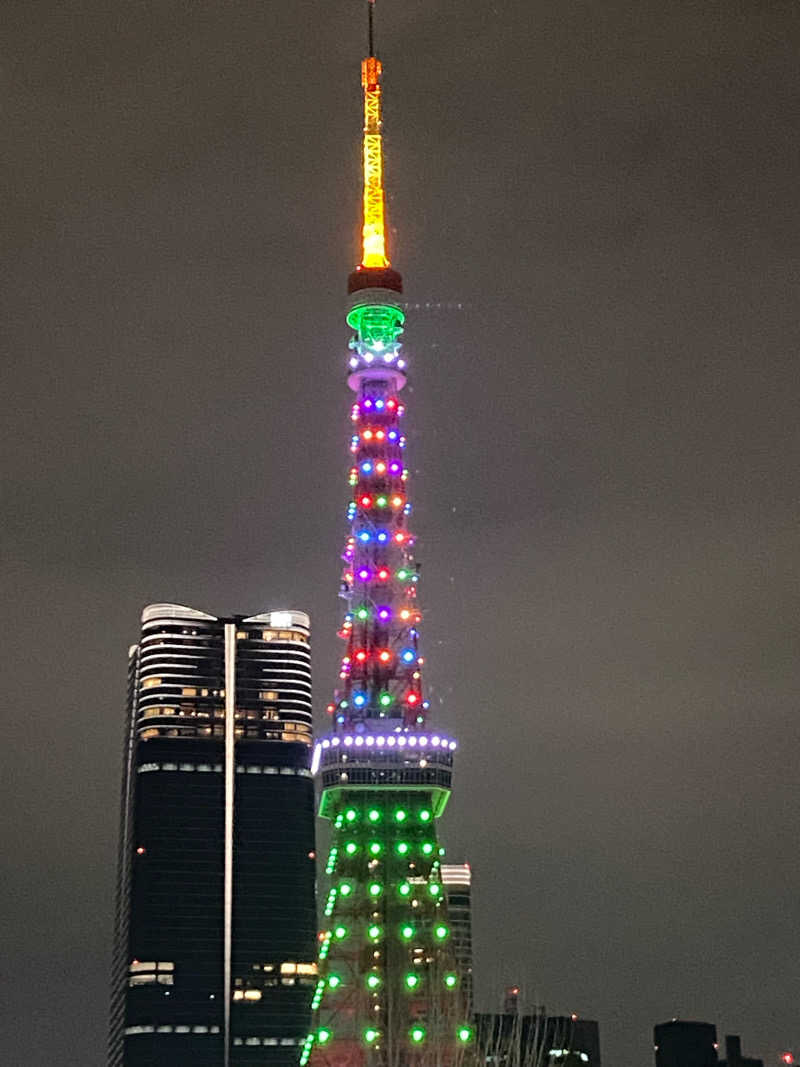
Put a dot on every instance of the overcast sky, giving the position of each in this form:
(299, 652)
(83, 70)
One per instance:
(603, 437)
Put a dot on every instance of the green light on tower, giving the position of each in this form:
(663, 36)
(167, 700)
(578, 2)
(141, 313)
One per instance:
(451, 980)
(375, 848)
(374, 932)
(370, 1035)
(323, 1035)
(400, 815)
(412, 980)
(351, 814)
(440, 932)
(373, 981)
(401, 848)
(417, 1034)
(407, 932)
(373, 815)
(464, 1034)
(340, 933)
(375, 889)
(425, 815)
(334, 981)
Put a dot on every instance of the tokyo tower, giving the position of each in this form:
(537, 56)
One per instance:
(389, 993)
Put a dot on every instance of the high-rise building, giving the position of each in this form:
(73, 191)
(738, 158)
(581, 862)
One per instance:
(215, 947)
(681, 1043)
(389, 990)
(457, 882)
(511, 1039)
(733, 1054)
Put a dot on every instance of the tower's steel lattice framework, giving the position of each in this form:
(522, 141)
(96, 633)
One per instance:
(389, 990)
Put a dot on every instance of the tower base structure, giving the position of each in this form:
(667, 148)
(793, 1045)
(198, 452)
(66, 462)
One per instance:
(389, 991)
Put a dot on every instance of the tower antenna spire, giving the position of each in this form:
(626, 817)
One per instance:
(370, 9)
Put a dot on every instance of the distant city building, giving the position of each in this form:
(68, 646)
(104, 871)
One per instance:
(733, 1054)
(215, 947)
(509, 1039)
(680, 1043)
(457, 882)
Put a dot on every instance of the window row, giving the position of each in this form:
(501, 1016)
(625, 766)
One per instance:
(241, 768)
(130, 1031)
(267, 1041)
(272, 635)
(288, 732)
(188, 711)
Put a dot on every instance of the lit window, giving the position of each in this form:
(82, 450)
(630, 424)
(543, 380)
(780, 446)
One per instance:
(241, 635)
(148, 683)
(269, 694)
(189, 692)
(252, 994)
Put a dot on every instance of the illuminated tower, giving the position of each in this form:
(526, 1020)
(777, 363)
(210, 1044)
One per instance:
(389, 992)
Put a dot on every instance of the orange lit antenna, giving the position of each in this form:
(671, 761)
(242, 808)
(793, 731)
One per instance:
(373, 234)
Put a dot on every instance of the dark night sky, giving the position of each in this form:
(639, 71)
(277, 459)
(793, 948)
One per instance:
(606, 438)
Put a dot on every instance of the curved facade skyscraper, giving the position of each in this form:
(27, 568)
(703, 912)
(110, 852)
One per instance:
(215, 944)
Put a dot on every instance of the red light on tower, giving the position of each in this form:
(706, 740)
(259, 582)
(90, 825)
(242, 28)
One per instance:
(787, 1058)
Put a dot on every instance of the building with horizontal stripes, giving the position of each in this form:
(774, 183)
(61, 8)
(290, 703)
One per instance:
(215, 940)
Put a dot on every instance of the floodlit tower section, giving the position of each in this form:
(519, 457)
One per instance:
(389, 991)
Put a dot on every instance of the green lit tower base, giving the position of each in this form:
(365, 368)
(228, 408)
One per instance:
(389, 992)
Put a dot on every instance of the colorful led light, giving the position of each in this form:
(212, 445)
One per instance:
(417, 1034)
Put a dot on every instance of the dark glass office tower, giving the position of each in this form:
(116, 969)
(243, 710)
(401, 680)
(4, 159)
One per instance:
(682, 1043)
(215, 953)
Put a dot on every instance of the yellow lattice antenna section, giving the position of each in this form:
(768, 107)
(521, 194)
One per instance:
(373, 234)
